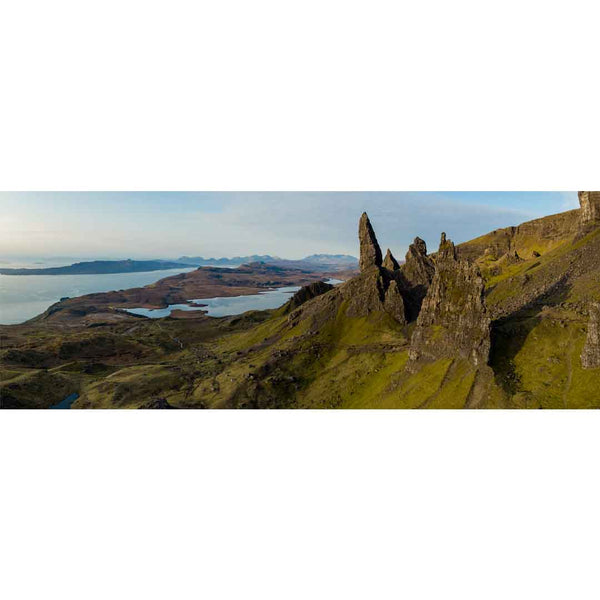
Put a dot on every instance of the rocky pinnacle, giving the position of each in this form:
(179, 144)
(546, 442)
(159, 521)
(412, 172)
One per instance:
(447, 248)
(389, 262)
(418, 267)
(370, 252)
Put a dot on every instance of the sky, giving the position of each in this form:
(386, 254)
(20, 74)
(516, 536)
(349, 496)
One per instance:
(225, 224)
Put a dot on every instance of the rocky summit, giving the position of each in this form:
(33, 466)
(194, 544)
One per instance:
(510, 319)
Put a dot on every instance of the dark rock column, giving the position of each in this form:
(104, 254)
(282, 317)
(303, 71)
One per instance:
(418, 268)
(370, 252)
(417, 272)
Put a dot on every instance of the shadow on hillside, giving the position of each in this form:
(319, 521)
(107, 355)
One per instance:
(509, 334)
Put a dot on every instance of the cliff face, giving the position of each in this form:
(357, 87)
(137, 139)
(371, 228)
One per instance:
(538, 236)
(453, 320)
(590, 206)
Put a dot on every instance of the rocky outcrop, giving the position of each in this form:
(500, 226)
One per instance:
(389, 262)
(590, 357)
(308, 292)
(453, 320)
(417, 273)
(370, 252)
(542, 234)
(511, 258)
(447, 249)
(394, 303)
(590, 207)
(370, 292)
(375, 289)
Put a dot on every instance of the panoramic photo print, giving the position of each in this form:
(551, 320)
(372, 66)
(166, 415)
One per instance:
(299, 300)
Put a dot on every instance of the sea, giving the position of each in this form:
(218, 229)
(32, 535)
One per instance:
(23, 297)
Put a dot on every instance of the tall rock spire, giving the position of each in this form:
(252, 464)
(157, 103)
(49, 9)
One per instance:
(370, 252)
(447, 248)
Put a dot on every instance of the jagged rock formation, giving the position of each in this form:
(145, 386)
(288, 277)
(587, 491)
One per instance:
(453, 320)
(590, 357)
(418, 269)
(590, 207)
(308, 292)
(394, 303)
(389, 262)
(376, 289)
(418, 272)
(447, 249)
(370, 252)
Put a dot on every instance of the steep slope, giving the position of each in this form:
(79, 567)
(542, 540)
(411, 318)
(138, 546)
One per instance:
(350, 347)
(542, 307)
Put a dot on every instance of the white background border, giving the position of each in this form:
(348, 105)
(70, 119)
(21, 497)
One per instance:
(318, 95)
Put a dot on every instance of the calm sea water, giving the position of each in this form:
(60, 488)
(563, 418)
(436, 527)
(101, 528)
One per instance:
(24, 297)
(226, 307)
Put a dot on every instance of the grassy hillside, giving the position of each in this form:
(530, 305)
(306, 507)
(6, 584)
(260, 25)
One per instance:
(340, 349)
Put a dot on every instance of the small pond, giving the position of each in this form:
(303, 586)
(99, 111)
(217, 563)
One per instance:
(67, 402)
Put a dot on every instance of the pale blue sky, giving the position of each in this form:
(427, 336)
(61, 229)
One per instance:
(288, 224)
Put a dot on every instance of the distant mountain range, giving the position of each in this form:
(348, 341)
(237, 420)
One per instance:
(324, 262)
(316, 262)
